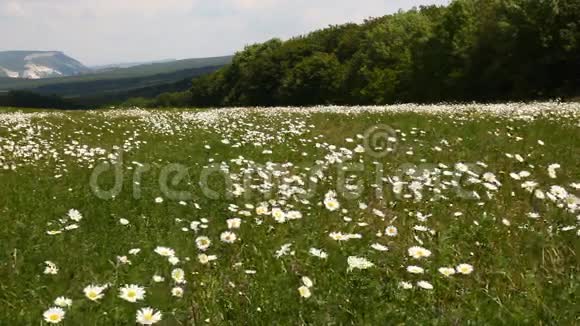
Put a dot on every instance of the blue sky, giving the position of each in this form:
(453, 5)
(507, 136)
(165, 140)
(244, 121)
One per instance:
(112, 31)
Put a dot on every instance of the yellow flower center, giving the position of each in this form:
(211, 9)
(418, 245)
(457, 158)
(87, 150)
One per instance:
(54, 317)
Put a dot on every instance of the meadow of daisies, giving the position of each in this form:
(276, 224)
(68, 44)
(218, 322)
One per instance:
(442, 214)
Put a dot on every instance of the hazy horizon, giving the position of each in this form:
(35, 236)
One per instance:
(106, 31)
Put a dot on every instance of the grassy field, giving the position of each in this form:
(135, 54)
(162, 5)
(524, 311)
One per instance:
(415, 215)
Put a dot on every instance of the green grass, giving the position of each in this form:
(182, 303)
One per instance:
(524, 273)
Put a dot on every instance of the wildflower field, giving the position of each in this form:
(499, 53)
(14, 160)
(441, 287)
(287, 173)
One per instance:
(418, 215)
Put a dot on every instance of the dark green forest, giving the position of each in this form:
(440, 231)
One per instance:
(97, 93)
(471, 50)
(107, 88)
(27, 99)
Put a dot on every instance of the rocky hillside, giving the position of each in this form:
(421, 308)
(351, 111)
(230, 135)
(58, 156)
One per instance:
(39, 64)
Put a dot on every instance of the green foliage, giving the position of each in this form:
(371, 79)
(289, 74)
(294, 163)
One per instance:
(139, 102)
(315, 79)
(178, 99)
(483, 50)
(109, 92)
(31, 100)
(254, 75)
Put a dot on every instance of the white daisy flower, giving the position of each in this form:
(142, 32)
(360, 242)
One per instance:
(318, 253)
(294, 215)
(134, 251)
(94, 292)
(54, 315)
(464, 269)
(234, 223)
(74, 215)
(205, 259)
(262, 209)
(203, 242)
(331, 204)
(405, 285)
(63, 302)
(425, 285)
(447, 271)
(278, 215)
(148, 316)
(177, 292)
(50, 268)
(418, 252)
(391, 231)
(358, 263)
(132, 293)
(178, 275)
(304, 292)
(379, 247)
(123, 260)
(284, 250)
(552, 170)
(165, 252)
(307, 281)
(228, 237)
(415, 269)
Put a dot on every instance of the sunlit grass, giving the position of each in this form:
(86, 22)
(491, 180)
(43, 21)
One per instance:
(522, 246)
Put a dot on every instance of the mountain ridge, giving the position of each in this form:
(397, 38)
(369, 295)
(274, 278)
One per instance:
(122, 65)
(39, 64)
(149, 69)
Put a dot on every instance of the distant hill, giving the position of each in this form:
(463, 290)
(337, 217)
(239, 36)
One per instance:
(108, 87)
(102, 68)
(140, 71)
(39, 65)
(114, 91)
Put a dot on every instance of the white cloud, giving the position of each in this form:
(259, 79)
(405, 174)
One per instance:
(71, 8)
(11, 9)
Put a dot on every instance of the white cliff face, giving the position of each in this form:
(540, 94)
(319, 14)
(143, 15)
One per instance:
(38, 65)
(34, 71)
(10, 73)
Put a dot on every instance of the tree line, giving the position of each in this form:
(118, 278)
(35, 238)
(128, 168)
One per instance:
(470, 50)
(27, 99)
